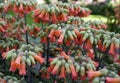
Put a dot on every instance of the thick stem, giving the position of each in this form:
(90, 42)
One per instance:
(47, 52)
(26, 33)
(29, 75)
(27, 42)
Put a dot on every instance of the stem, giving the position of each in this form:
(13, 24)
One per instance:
(44, 46)
(26, 33)
(27, 42)
(48, 52)
(29, 75)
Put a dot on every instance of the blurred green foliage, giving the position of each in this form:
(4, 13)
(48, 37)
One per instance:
(102, 8)
(1, 1)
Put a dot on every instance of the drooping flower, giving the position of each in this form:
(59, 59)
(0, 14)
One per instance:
(46, 16)
(112, 80)
(112, 49)
(18, 61)
(50, 68)
(77, 33)
(72, 68)
(21, 8)
(54, 18)
(56, 68)
(41, 15)
(60, 40)
(57, 33)
(99, 44)
(65, 55)
(39, 59)
(51, 33)
(22, 70)
(88, 44)
(93, 74)
(4, 54)
(43, 39)
(13, 66)
(62, 72)
(68, 42)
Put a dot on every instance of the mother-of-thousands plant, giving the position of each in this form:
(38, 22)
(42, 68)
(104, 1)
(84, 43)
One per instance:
(58, 47)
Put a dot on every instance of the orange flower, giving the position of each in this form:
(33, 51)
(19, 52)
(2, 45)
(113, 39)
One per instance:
(15, 8)
(4, 54)
(57, 33)
(91, 55)
(41, 16)
(51, 33)
(39, 59)
(65, 55)
(80, 40)
(36, 19)
(75, 78)
(52, 39)
(60, 40)
(103, 48)
(68, 42)
(77, 33)
(112, 80)
(2, 81)
(54, 18)
(37, 28)
(47, 75)
(43, 40)
(50, 68)
(46, 16)
(51, 59)
(43, 74)
(36, 12)
(58, 49)
(2, 29)
(93, 74)
(22, 70)
(39, 54)
(18, 61)
(63, 17)
(62, 72)
(76, 41)
(74, 73)
(26, 9)
(56, 68)
(21, 8)
(95, 63)
(88, 44)
(82, 77)
(13, 66)
(112, 49)
(99, 44)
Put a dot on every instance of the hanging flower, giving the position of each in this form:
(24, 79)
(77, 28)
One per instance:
(22, 70)
(93, 74)
(62, 72)
(112, 80)
(112, 49)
